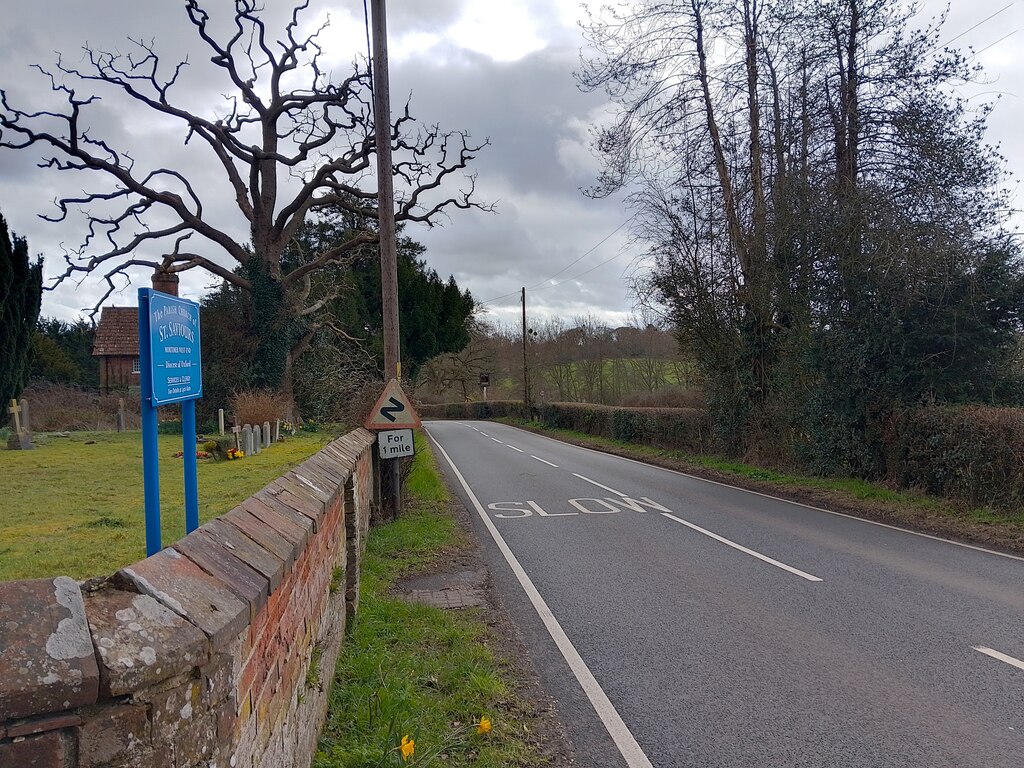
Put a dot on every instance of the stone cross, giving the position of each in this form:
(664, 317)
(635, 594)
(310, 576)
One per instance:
(257, 439)
(26, 424)
(15, 410)
(266, 434)
(247, 440)
(220, 420)
(235, 430)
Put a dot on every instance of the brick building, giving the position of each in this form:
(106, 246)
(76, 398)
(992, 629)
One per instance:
(117, 340)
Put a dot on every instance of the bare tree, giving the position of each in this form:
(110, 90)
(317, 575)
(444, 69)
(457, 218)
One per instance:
(291, 142)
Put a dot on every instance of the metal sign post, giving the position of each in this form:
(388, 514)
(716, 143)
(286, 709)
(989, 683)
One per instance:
(170, 371)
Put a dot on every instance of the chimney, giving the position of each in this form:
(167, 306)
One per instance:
(166, 282)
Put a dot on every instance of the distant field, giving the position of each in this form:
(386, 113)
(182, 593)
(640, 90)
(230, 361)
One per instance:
(73, 505)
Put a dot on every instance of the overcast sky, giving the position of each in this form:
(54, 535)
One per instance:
(500, 69)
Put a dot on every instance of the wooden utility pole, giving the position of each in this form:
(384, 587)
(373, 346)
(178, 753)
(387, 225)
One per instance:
(391, 480)
(526, 370)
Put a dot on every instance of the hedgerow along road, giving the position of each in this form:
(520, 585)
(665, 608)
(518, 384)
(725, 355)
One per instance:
(682, 622)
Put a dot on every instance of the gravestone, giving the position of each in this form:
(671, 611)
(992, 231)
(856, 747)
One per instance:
(26, 422)
(266, 434)
(257, 439)
(220, 420)
(277, 431)
(20, 439)
(120, 415)
(247, 440)
(236, 431)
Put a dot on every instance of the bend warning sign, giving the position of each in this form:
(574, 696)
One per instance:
(393, 410)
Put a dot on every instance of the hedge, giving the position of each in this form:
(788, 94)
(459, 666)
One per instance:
(684, 429)
(972, 453)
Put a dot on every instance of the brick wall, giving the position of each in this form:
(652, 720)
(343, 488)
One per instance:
(214, 653)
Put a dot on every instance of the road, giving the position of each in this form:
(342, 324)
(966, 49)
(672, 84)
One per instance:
(681, 622)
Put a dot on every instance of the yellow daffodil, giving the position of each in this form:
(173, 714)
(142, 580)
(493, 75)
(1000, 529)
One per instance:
(484, 727)
(407, 748)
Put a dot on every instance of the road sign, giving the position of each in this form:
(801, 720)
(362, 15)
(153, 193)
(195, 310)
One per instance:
(393, 410)
(485, 379)
(174, 343)
(395, 443)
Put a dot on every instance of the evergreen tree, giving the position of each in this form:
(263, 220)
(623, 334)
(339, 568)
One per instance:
(21, 291)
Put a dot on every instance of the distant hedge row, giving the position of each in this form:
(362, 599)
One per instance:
(973, 454)
(492, 409)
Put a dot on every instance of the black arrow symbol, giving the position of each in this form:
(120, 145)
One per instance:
(397, 406)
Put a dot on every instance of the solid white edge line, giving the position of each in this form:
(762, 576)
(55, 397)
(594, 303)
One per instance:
(594, 482)
(516, 449)
(545, 461)
(1000, 656)
(975, 547)
(741, 548)
(617, 729)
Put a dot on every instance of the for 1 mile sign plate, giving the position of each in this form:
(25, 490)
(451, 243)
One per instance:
(395, 443)
(174, 345)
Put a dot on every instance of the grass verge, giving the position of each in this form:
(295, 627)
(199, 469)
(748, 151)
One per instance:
(418, 672)
(74, 505)
(1003, 529)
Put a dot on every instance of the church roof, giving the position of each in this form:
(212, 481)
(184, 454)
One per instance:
(117, 332)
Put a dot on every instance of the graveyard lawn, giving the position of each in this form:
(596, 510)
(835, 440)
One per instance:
(73, 505)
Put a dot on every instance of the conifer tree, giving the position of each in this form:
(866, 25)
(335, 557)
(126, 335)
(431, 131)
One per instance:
(21, 286)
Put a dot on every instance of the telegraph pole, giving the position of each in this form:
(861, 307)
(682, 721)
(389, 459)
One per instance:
(391, 480)
(526, 370)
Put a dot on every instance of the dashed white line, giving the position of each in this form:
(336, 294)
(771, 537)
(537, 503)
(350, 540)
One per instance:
(543, 461)
(594, 482)
(516, 449)
(495, 439)
(628, 746)
(741, 548)
(1000, 656)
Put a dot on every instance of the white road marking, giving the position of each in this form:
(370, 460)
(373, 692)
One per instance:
(495, 439)
(741, 548)
(617, 729)
(784, 501)
(594, 482)
(516, 449)
(1001, 656)
(544, 461)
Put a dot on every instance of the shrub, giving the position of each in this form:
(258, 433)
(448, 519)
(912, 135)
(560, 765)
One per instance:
(491, 409)
(256, 406)
(686, 429)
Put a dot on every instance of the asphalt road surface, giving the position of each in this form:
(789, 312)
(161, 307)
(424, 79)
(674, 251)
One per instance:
(681, 622)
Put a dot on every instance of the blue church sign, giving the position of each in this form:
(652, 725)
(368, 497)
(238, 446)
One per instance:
(174, 345)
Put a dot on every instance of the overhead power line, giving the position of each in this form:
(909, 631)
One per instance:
(537, 286)
(971, 29)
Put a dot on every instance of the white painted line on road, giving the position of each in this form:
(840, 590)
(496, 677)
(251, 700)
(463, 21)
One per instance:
(594, 482)
(784, 501)
(495, 439)
(741, 548)
(544, 461)
(617, 729)
(483, 433)
(516, 449)
(1001, 656)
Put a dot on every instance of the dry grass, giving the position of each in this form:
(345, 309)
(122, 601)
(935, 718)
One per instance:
(256, 406)
(63, 408)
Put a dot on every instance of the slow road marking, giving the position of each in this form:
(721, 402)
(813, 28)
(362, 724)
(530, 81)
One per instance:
(1001, 656)
(617, 729)
(741, 548)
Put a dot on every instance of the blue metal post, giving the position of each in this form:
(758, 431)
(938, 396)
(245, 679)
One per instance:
(188, 445)
(150, 466)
